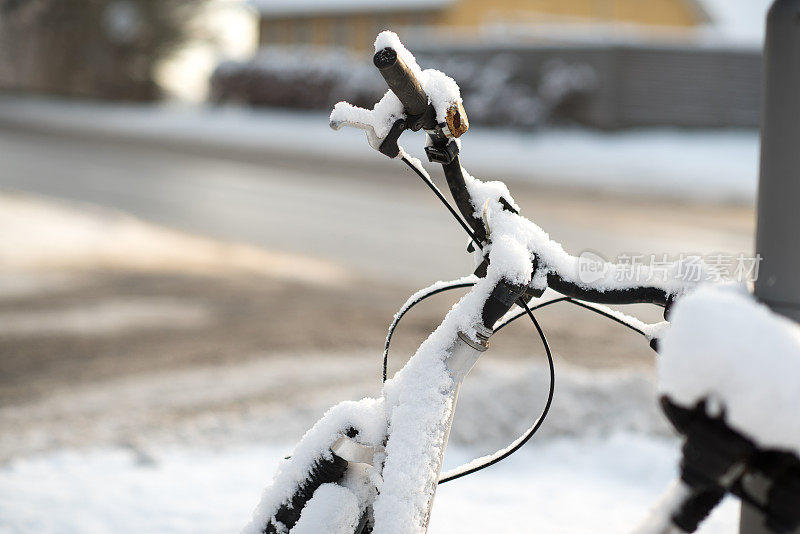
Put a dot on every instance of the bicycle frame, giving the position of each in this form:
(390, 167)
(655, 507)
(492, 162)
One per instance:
(460, 360)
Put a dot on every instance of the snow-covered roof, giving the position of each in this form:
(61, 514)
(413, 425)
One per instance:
(308, 7)
(737, 20)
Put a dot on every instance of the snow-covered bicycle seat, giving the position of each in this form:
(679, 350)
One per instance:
(742, 358)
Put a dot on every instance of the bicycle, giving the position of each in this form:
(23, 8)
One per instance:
(374, 465)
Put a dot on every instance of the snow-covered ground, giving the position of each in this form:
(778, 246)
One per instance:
(707, 165)
(169, 452)
(560, 486)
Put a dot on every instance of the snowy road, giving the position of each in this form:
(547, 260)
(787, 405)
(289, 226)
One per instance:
(151, 424)
(374, 218)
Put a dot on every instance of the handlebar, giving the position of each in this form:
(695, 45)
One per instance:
(404, 84)
(628, 295)
(401, 80)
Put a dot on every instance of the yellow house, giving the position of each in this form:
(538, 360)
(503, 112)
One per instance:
(354, 23)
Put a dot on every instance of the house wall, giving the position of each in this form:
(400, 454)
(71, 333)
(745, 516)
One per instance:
(639, 85)
(471, 13)
(357, 30)
(353, 30)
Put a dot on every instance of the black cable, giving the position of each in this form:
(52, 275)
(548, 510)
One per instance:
(606, 315)
(529, 434)
(441, 197)
(523, 312)
(526, 311)
(576, 303)
(405, 310)
(531, 431)
(502, 325)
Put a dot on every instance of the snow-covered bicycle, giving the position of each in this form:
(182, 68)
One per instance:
(374, 465)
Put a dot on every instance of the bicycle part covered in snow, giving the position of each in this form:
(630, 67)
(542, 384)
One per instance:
(374, 465)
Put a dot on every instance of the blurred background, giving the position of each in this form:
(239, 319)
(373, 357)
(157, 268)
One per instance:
(193, 266)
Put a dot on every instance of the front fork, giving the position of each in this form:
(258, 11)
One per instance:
(462, 357)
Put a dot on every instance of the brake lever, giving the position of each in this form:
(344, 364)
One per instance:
(387, 145)
(372, 138)
(442, 149)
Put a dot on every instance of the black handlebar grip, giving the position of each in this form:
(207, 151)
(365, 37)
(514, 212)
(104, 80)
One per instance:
(401, 81)
(322, 472)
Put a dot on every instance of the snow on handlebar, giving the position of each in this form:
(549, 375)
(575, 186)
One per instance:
(416, 99)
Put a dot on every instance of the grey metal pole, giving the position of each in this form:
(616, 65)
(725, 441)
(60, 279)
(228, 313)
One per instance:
(778, 283)
(777, 238)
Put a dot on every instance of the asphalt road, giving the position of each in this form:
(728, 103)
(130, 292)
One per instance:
(378, 221)
(116, 356)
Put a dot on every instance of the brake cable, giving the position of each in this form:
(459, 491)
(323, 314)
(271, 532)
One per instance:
(516, 445)
(527, 310)
(580, 304)
(460, 285)
(399, 315)
(423, 174)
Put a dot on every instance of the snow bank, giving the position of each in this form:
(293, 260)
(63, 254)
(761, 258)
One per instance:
(653, 162)
(724, 345)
